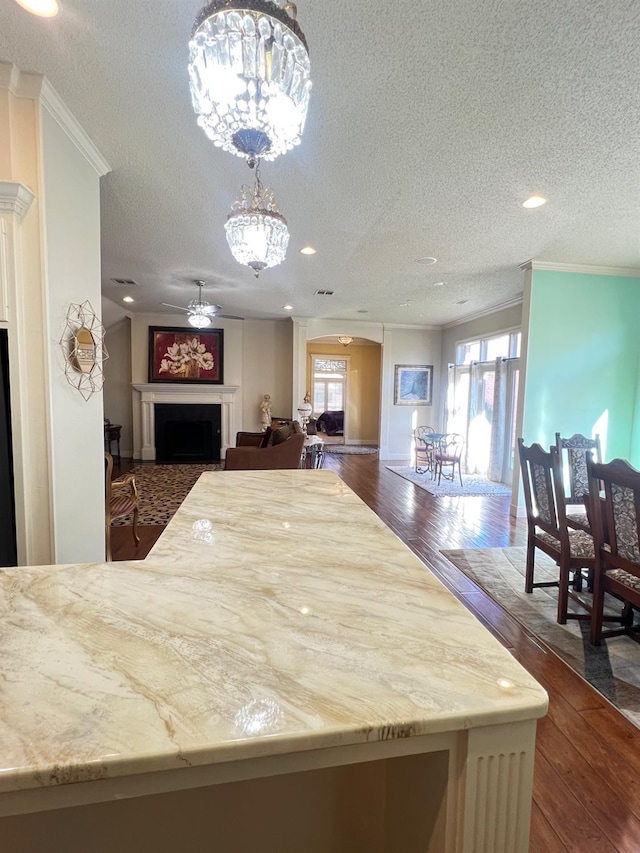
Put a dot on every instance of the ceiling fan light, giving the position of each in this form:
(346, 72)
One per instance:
(199, 321)
(249, 75)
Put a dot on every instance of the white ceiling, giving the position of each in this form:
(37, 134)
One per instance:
(429, 124)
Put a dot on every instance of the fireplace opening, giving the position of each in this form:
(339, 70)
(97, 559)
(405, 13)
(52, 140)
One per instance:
(187, 432)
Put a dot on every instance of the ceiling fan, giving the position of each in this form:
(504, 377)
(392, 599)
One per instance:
(200, 312)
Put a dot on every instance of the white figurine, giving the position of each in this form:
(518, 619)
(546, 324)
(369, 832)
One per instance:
(265, 412)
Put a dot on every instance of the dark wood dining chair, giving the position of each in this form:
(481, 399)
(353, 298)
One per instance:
(614, 510)
(423, 449)
(121, 498)
(547, 529)
(574, 452)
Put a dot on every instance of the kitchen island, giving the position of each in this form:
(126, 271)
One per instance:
(280, 674)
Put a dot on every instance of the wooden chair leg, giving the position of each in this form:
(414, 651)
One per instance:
(563, 594)
(136, 538)
(528, 578)
(107, 541)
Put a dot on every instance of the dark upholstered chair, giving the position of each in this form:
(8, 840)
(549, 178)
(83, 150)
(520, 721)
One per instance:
(572, 550)
(423, 449)
(615, 521)
(283, 449)
(121, 498)
(573, 453)
(447, 455)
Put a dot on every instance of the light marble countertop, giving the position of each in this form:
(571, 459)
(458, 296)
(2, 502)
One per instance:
(276, 614)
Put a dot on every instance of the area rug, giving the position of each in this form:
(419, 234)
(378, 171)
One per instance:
(472, 484)
(162, 488)
(349, 449)
(612, 668)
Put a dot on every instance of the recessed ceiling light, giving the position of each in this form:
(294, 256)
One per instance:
(307, 250)
(534, 201)
(406, 304)
(128, 299)
(287, 307)
(43, 8)
(427, 261)
(439, 283)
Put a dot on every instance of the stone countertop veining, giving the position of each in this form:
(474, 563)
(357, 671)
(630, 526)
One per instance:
(276, 614)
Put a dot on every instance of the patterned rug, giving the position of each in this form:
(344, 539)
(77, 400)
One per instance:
(472, 484)
(613, 668)
(162, 488)
(349, 449)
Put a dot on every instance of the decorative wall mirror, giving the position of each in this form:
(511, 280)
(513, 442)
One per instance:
(82, 344)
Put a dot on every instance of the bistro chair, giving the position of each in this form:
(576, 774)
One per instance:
(447, 455)
(615, 519)
(547, 529)
(121, 498)
(423, 449)
(573, 453)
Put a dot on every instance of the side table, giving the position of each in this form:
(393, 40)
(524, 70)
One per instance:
(112, 433)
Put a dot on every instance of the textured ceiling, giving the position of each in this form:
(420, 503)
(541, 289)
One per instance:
(429, 124)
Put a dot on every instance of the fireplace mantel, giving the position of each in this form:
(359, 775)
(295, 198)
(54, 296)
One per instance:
(151, 393)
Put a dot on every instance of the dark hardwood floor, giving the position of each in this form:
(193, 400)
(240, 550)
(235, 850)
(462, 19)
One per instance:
(587, 782)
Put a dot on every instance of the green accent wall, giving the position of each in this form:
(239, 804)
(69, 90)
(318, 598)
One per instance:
(583, 360)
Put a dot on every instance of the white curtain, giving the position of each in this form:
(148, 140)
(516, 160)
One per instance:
(498, 421)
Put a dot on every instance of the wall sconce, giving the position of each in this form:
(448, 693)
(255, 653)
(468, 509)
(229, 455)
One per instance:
(345, 340)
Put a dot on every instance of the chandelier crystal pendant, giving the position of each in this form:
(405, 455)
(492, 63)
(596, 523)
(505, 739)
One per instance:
(250, 79)
(256, 231)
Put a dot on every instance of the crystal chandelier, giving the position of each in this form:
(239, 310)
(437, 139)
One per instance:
(257, 232)
(250, 76)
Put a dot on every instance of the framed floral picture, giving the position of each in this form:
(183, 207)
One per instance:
(413, 385)
(182, 355)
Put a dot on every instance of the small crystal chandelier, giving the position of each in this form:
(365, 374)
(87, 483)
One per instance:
(250, 76)
(257, 232)
(345, 340)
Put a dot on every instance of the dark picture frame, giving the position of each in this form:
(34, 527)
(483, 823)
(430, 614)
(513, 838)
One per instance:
(177, 354)
(413, 385)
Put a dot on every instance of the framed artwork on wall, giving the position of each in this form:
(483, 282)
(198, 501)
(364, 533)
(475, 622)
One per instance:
(180, 355)
(413, 385)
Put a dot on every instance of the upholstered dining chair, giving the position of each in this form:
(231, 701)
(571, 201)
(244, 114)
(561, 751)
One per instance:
(447, 456)
(547, 529)
(614, 509)
(423, 449)
(573, 453)
(121, 498)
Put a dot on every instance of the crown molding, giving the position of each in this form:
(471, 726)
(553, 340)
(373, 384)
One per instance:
(21, 84)
(15, 198)
(56, 107)
(589, 269)
(484, 313)
(425, 327)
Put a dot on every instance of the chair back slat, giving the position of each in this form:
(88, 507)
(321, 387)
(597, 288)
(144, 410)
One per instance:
(537, 468)
(576, 450)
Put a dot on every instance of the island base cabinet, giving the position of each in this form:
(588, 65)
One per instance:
(471, 796)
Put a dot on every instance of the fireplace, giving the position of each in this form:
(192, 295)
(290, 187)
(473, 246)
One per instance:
(156, 398)
(187, 433)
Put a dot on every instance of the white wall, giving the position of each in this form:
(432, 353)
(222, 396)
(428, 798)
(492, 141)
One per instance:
(117, 383)
(407, 346)
(72, 252)
(267, 359)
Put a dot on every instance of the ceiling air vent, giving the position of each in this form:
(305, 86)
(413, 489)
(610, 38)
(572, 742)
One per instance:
(323, 293)
(129, 282)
